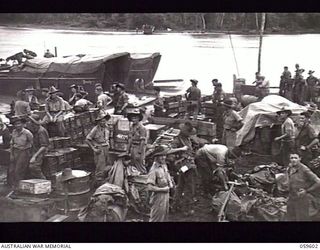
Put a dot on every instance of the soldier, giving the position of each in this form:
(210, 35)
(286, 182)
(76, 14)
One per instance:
(312, 82)
(22, 106)
(287, 137)
(74, 91)
(103, 100)
(193, 95)
(40, 146)
(284, 79)
(55, 108)
(158, 104)
(137, 140)
(303, 190)
(299, 88)
(81, 104)
(48, 54)
(306, 138)
(159, 184)
(217, 98)
(211, 159)
(98, 140)
(31, 98)
(122, 100)
(20, 150)
(187, 169)
(232, 122)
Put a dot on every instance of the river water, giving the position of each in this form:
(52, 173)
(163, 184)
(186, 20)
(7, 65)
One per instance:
(184, 55)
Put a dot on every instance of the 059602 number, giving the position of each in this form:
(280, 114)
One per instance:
(314, 246)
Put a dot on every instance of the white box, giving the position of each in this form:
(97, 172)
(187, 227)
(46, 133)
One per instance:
(35, 186)
(123, 124)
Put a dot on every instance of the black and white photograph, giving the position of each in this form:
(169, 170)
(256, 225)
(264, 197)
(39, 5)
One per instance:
(160, 117)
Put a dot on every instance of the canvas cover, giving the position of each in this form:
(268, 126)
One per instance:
(263, 113)
(86, 64)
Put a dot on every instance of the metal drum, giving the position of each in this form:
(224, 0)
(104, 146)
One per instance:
(78, 191)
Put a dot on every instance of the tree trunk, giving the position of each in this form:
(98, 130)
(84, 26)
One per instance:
(203, 22)
(260, 40)
(257, 21)
(221, 20)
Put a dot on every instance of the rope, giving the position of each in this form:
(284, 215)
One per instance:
(234, 54)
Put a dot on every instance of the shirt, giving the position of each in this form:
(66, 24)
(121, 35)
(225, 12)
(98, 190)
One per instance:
(305, 136)
(55, 105)
(40, 139)
(288, 128)
(22, 108)
(138, 133)
(218, 96)
(230, 119)
(122, 99)
(99, 135)
(286, 75)
(194, 94)
(300, 177)
(103, 101)
(312, 81)
(159, 175)
(215, 152)
(21, 140)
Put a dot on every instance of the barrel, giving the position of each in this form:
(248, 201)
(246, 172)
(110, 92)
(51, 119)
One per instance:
(78, 191)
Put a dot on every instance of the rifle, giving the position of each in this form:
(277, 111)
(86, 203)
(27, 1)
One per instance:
(222, 214)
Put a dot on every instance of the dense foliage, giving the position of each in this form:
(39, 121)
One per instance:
(275, 22)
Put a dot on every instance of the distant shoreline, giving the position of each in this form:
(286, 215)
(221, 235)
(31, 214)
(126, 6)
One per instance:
(80, 28)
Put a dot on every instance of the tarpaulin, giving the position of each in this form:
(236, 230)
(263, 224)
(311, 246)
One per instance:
(69, 65)
(263, 113)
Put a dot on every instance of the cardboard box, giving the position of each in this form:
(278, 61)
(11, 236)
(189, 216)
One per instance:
(35, 186)
(123, 124)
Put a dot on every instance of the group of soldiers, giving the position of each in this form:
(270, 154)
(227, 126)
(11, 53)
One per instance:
(298, 89)
(172, 170)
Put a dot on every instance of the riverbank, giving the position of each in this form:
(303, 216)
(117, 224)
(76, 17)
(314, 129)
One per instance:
(103, 29)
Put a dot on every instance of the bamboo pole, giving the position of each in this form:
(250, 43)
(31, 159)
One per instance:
(260, 40)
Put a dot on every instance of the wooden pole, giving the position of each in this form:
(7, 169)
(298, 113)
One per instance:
(260, 40)
(55, 51)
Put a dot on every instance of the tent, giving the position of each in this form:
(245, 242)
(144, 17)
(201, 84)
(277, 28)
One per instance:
(263, 113)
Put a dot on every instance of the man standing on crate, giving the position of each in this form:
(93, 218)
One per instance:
(306, 138)
(40, 146)
(193, 96)
(187, 169)
(122, 100)
(103, 100)
(20, 149)
(98, 141)
(137, 139)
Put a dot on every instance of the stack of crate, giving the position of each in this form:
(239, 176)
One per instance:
(79, 125)
(120, 136)
(174, 106)
(208, 109)
(60, 156)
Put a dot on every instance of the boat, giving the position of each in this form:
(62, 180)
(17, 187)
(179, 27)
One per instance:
(148, 29)
(85, 70)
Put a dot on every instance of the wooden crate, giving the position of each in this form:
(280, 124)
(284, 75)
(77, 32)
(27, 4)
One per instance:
(172, 105)
(35, 186)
